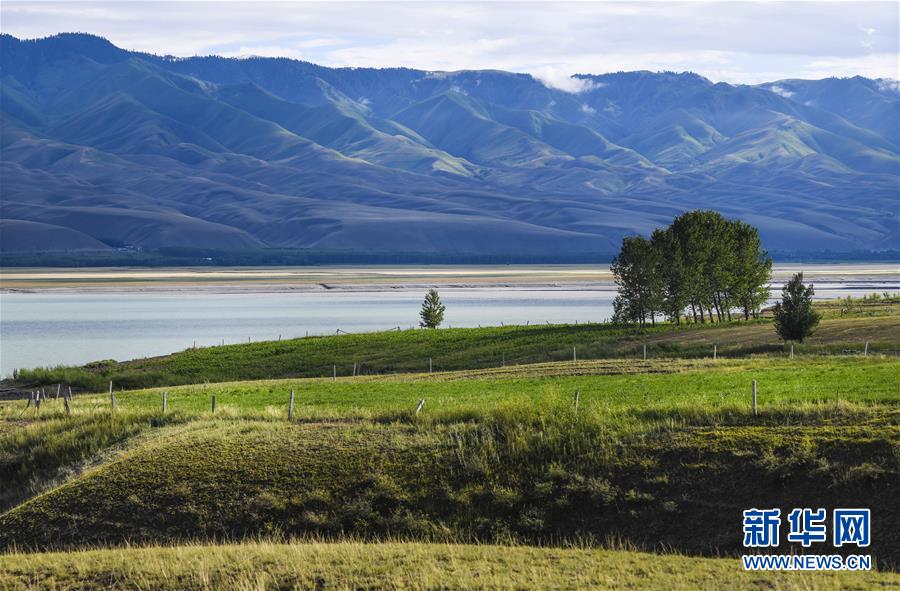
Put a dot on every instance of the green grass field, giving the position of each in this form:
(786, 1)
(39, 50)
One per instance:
(660, 455)
(844, 328)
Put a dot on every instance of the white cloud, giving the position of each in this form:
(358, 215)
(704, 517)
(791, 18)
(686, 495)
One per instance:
(586, 108)
(555, 77)
(781, 91)
(888, 85)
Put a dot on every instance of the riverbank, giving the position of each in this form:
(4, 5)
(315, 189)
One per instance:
(376, 278)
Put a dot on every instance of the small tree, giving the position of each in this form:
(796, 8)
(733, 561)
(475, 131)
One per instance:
(432, 313)
(795, 318)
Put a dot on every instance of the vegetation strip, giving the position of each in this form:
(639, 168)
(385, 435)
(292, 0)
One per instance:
(416, 566)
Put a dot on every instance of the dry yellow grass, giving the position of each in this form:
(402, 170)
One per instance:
(393, 566)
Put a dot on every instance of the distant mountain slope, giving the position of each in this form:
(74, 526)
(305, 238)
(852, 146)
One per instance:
(102, 146)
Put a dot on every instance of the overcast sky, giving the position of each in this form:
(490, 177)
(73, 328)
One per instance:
(724, 41)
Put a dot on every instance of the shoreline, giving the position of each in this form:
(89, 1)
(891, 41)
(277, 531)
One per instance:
(357, 279)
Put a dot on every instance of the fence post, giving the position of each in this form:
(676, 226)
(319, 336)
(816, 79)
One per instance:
(866, 351)
(645, 351)
(574, 354)
(792, 350)
(754, 399)
(503, 360)
(715, 351)
(430, 366)
(112, 401)
(334, 373)
(577, 399)
(110, 388)
(66, 404)
(58, 388)
(421, 404)
(165, 402)
(212, 408)
(291, 407)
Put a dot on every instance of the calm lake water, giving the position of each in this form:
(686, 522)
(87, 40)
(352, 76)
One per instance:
(43, 329)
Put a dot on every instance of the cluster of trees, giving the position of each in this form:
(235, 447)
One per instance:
(701, 268)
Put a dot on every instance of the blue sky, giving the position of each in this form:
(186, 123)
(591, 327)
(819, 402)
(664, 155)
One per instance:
(735, 42)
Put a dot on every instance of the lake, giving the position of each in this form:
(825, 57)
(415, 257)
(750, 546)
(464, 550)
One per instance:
(51, 327)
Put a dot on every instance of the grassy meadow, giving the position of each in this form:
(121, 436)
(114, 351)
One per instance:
(350, 566)
(846, 327)
(577, 469)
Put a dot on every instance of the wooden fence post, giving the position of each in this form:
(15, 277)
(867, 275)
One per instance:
(754, 399)
(430, 366)
(112, 401)
(58, 388)
(66, 405)
(577, 399)
(645, 351)
(212, 408)
(866, 350)
(334, 373)
(715, 351)
(165, 402)
(291, 407)
(421, 404)
(574, 354)
(792, 350)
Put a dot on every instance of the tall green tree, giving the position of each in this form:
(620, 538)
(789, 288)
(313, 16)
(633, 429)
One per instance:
(432, 313)
(751, 270)
(795, 318)
(671, 269)
(636, 270)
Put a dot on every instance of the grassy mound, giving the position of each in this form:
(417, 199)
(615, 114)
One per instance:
(662, 454)
(514, 474)
(463, 349)
(416, 566)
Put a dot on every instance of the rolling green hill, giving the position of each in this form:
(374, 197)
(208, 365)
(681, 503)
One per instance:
(490, 456)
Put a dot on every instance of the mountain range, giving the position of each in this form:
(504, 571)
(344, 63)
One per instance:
(107, 148)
